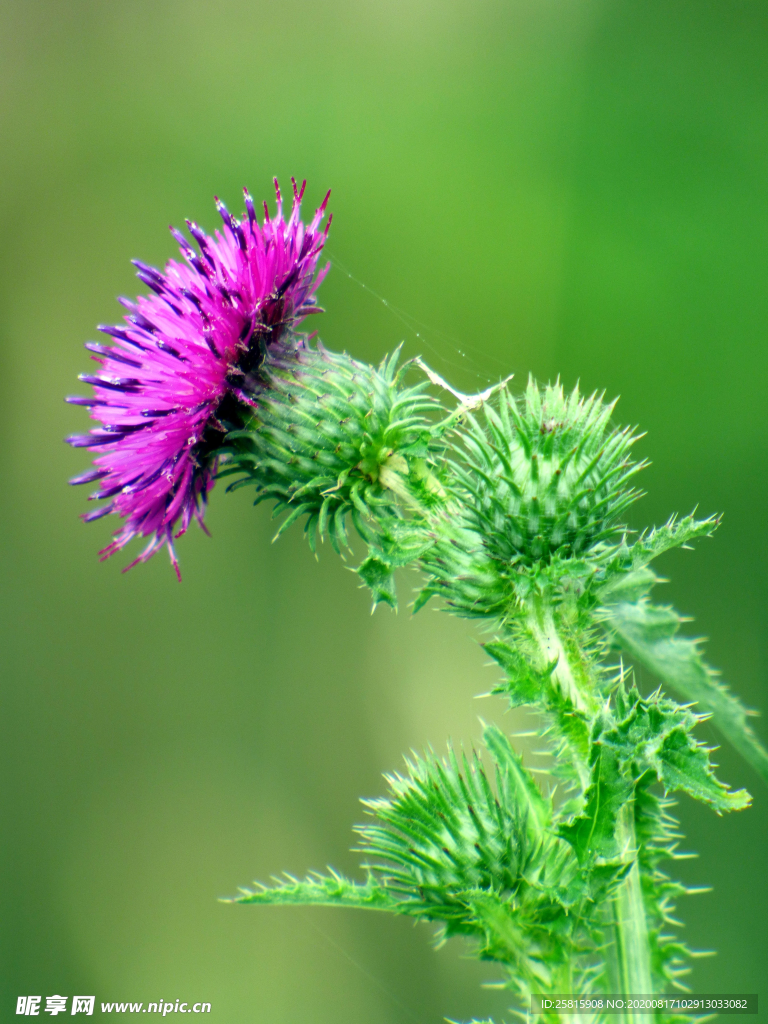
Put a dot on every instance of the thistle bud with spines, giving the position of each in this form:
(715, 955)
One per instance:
(332, 439)
(539, 489)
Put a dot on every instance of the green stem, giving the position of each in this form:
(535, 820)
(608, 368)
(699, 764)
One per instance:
(544, 629)
(570, 679)
(629, 962)
(629, 955)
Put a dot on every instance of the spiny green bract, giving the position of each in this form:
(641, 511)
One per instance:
(443, 828)
(546, 475)
(537, 489)
(331, 437)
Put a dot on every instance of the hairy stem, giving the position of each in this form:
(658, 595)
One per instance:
(629, 963)
(569, 678)
(542, 622)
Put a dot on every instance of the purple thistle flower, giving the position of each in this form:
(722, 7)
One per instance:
(183, 369)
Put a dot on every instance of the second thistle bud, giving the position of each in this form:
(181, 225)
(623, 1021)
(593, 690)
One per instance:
(549, 475)
(544, 477)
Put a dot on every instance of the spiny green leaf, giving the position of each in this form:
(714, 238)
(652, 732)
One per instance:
(535, 809)
(658, 734)
(321, 890)
(648, 634)
(674, 534)
(628, 586)
(378, 577)
(684, 765)
(523, 684)
(593, 834)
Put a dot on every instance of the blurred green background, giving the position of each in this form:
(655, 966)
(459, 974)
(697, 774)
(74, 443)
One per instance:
(555, 186)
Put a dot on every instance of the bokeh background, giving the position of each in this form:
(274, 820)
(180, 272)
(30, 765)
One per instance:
(573, 187)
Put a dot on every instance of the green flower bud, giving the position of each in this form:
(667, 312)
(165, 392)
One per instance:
(542, 483)
(548, 475)
(332, 437)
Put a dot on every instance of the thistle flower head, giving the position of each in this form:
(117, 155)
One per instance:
(184, 366)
